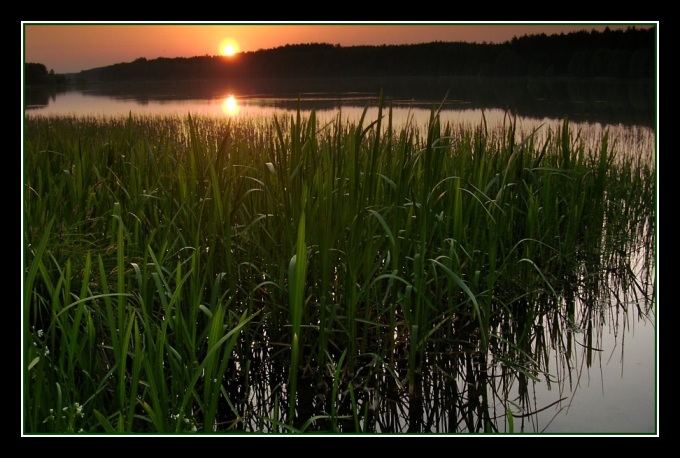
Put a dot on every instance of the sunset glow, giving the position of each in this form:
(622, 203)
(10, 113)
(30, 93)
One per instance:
(229, 47)
(73, 47)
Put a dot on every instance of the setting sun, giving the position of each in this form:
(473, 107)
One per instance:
(229, 47)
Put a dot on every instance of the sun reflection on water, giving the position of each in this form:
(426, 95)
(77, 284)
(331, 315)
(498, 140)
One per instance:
(230, 106)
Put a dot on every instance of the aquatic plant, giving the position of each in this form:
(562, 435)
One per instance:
(278, 275)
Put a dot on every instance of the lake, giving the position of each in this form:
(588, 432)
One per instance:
(624, 108)
(608, 382)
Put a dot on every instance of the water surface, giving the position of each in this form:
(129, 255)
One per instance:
(617, 393)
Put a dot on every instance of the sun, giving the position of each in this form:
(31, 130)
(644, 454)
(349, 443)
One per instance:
(229, 50)
(229, 47)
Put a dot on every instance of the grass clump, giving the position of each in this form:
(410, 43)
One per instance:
(276, 275)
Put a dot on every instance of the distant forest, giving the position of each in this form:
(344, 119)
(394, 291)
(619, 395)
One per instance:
(626, 53)
(37, 74)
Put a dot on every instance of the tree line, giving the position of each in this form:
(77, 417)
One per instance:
(36, 74)
(610, 53)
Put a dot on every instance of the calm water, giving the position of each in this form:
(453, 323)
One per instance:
(618, 392)
(625, 109)
(616, 395)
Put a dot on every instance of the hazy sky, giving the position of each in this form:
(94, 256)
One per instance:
(72, 47)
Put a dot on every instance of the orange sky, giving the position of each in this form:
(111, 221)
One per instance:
(72, 47)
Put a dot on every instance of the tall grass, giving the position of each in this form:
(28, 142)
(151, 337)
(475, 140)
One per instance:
(176, 267)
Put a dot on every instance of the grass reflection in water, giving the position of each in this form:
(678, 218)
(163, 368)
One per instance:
(278, 275)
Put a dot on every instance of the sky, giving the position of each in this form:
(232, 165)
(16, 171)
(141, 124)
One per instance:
(69, 47)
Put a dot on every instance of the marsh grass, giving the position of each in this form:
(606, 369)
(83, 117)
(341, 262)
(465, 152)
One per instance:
(277, 275)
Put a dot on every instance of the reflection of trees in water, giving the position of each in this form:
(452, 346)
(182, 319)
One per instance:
(607, 101)
(42, 96)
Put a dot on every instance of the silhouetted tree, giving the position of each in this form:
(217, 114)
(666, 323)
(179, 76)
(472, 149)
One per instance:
(35, 73)
(617, 53)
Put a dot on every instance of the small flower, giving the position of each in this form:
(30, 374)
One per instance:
(41, 333)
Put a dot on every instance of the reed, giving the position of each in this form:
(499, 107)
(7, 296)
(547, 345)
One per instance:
(177, 266)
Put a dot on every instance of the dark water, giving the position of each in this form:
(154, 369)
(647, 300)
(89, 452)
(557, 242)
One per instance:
(612, 389)
(630, 103)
